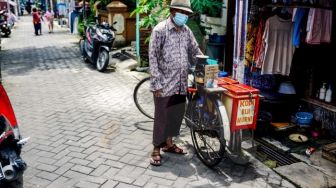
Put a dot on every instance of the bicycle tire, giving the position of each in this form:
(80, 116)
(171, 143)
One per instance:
(206, 153)
(148, 108)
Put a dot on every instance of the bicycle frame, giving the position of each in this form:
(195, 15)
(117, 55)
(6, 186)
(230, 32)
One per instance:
(230, 139)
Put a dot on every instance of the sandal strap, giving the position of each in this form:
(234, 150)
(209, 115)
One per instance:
(177, 149)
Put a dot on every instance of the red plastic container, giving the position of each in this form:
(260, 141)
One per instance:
(242, 104)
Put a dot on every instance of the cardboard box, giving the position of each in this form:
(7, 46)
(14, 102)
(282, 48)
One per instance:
(210, 74)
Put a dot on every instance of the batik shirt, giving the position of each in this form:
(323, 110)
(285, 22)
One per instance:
(171, 52)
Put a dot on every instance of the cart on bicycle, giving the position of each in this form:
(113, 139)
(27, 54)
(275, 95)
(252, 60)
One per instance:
(216, 116)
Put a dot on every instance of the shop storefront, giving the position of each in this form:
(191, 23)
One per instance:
(285, 49)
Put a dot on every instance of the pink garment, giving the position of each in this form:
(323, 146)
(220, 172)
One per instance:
(49, 15)
(319, 26)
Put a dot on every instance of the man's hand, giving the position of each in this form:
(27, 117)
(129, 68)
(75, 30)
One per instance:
(157, 93)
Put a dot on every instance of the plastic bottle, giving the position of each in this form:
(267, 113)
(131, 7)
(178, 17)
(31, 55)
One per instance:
(323, 92)
(328, 94)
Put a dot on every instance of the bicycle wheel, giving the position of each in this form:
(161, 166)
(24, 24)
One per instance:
(206, 132)
(143, 98)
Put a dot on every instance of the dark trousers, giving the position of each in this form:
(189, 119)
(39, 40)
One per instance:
(169, 112)
(40, 28)
(36, 28)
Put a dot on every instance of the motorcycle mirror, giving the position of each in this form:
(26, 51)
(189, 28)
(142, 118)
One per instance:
(115, 22)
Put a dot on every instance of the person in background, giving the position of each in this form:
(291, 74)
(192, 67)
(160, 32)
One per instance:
(49, 16)
(36, 20)
(11, 19)
(41, 19)
(172, 49)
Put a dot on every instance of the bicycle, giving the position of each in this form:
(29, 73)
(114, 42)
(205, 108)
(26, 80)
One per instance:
(143, 98)
(144, 101)
(207, 119)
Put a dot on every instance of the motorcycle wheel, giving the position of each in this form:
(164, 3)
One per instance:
(102, 60)
(7, 33)
(18, 183)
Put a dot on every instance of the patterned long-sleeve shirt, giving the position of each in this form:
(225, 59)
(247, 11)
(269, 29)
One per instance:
(171, 51)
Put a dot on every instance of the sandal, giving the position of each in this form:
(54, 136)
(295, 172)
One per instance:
(174, 149)
(155, 159)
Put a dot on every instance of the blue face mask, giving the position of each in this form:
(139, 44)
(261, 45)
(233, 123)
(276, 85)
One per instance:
(180, 19)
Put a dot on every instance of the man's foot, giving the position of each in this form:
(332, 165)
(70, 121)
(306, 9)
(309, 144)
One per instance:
(174, 149)
(155, 159)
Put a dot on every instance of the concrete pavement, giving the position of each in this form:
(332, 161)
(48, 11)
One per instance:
(85, 129)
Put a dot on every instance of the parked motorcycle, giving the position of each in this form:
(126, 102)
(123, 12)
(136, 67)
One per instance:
(12, 165)
(5, 27)
(96, 44)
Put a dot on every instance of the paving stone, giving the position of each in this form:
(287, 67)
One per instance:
(96, 162)
(181, 182)
(82, 169)
(63, 161)
(116, 164)
(85, 184)
(64, 168)
(111, 173)
(124, 185)
(162, 181)
(46, 160)
(79, 161)
(142, 180)
(77, 155)
(47, 175)
(100, 170)
(46, 167)
(122, 178)
(59, 182)
(110, 184)
(39, 182)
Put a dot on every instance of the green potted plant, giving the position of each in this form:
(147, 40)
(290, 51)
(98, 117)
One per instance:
(151, 13)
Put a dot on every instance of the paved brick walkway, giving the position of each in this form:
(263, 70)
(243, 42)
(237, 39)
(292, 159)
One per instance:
(85, 130)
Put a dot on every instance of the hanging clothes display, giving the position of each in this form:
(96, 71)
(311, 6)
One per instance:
(273, 33)
(278, 46)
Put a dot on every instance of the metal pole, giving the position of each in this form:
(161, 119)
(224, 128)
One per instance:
(51, 5)
(84, 7)
(17, 12)
(137, 33)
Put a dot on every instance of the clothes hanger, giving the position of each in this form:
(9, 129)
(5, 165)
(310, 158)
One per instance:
(283, 13)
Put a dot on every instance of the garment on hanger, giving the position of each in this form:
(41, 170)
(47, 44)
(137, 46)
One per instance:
(319, 26)
(252, 28)
(297, 19)
(259, 45)
(278, 46)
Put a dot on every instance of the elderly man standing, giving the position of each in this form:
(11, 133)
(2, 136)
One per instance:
(172, 49)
